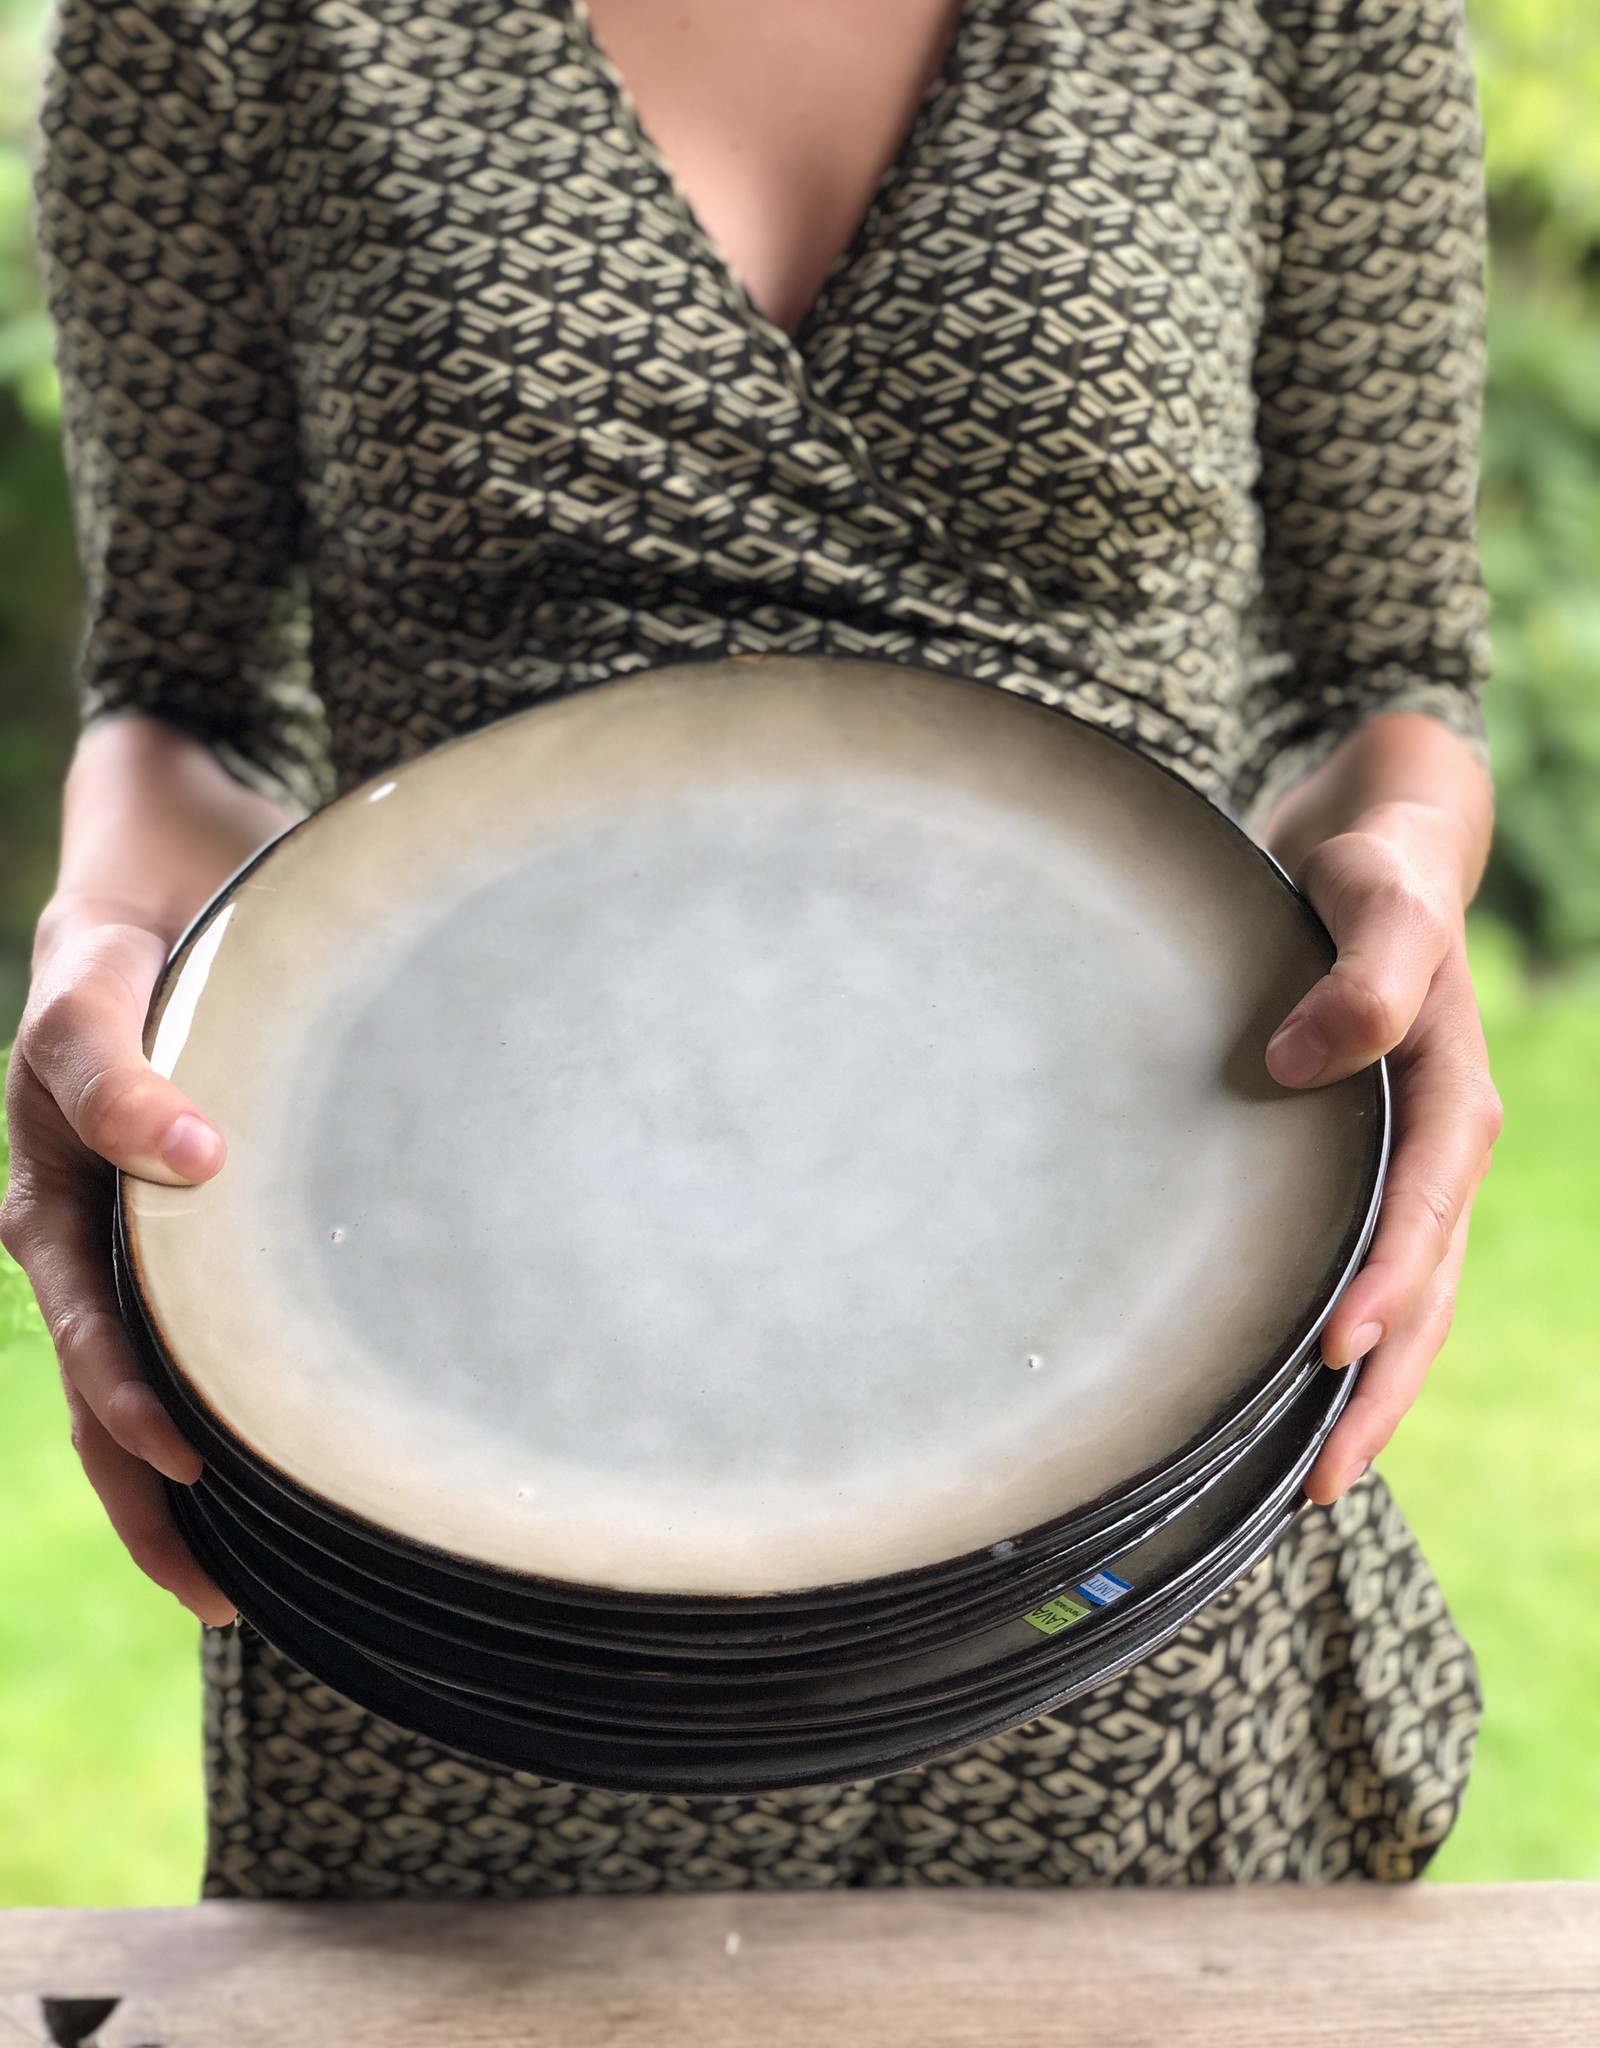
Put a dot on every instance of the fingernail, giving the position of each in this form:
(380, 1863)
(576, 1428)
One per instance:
(192, 1147)
(172, 1464)
(1357, 1348)
(1352, 1473)
(1297, 1053)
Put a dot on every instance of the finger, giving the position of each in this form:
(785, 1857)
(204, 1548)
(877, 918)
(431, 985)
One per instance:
(130, 1492)
(62, 1246)
(82, 1040)
(1444, 1151)
(1390, 943)
(1434, 1178)
(1389, 1384)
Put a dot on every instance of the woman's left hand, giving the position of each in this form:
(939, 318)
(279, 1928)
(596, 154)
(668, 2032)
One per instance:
(1389, 889)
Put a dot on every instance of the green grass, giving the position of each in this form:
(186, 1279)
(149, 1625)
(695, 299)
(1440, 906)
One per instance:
(99, 1685)
(1498, 1469)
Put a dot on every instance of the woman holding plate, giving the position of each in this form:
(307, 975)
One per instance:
(421, 359)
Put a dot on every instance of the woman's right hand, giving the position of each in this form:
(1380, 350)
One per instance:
(82, 1099)
(152, 826)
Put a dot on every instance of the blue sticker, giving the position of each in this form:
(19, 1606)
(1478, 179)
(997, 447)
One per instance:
(1102, 1587)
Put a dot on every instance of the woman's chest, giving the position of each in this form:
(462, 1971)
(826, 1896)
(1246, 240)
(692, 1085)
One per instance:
(505, 309)
(775, 123)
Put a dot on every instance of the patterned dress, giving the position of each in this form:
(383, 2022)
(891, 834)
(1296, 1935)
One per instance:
(403, 387)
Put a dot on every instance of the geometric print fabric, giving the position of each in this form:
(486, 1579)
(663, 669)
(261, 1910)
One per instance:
(403, 388)
(1314, 1724)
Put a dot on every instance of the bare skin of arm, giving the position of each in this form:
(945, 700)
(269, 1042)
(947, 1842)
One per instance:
(153, 826)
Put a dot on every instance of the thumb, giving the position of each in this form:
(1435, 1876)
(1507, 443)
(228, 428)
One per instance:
(1390, 945)
(83, 1042)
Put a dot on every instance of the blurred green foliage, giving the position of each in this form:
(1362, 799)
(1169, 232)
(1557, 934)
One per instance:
(1539, 84)
(100, 1700)
(1541, 546)
(1539, 79)
(38, 577)
(1539, 66)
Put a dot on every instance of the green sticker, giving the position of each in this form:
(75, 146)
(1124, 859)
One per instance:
(1055, 1615)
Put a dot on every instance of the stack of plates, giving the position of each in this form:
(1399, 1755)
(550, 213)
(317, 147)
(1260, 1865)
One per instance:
(758, 1246)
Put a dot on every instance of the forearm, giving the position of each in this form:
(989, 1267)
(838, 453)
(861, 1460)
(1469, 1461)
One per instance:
(1403, 775)
(152, 825)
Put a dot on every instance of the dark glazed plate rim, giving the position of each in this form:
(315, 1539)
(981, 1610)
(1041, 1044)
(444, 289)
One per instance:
(1284, 1454)
(753, 1633)
(141, 1316)
(922, 1741)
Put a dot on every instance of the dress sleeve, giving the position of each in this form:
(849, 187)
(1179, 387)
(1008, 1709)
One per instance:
(178, 414)
(1369, 388)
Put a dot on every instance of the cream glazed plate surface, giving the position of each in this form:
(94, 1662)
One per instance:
(746, 1128)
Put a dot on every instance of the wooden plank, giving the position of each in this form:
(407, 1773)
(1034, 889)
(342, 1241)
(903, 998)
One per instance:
(1419, 1967)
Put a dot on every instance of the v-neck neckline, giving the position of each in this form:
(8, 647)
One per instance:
(625, 111)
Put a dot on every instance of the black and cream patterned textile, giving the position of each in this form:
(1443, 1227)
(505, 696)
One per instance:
(1315, 1724)
(402, 387)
